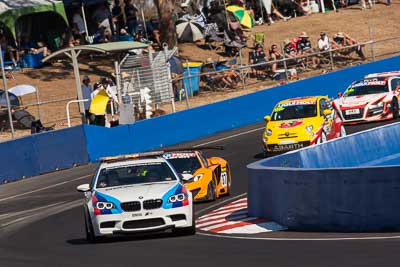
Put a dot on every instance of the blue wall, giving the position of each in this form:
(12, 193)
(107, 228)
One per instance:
(342, 185)
(41, 153)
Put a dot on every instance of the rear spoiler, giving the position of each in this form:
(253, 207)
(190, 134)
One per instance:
(156, 153)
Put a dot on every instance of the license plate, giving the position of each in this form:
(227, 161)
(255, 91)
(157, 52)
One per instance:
(352, 111)
(287, 147)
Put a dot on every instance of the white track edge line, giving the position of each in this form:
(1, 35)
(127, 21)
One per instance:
(44, 188)
(229, 137)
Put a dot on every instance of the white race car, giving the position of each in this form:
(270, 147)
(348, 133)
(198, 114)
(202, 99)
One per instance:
(136, 193)
(373, 99)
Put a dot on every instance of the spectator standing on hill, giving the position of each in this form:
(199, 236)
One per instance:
(102, 16)
(86, 94)
(118, 17)
(79, 25)
(131, 17)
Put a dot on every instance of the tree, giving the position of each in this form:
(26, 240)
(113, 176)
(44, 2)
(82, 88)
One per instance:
(165, 10)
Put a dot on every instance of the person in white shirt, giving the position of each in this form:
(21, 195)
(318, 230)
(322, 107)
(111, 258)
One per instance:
(86, 94)
(323, 42)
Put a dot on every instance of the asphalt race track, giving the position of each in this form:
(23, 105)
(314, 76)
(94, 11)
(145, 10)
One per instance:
(41, 224)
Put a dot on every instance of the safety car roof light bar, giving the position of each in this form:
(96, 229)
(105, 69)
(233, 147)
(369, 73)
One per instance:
(132, 156)
(382, 74)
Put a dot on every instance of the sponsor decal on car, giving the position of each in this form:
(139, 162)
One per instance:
(179, 155)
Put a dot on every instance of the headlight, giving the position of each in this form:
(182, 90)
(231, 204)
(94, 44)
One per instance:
(379, 105)
(309, 128)
(197, 177)
(177, 198)
(105, 205)
(268, 132)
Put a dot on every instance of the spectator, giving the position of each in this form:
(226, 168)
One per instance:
(130, 15)
(275, 54)
(153, 31)
(79, 25)
(231, 75)
(86, 94)
(257, 56)
(304, 48)
(26, 46)
(99, 120)
(213, 78)
(184, 11)
(125, 36)
(323, 42)
(217, 15)
(10, 48)
(342, 39)
(102, 16)
(363, 4)
(118, 16)
(288, 48)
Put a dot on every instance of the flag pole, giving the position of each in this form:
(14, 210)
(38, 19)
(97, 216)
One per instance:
(6, 92)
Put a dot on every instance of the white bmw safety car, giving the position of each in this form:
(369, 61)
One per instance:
(373, 99)
(136, 193)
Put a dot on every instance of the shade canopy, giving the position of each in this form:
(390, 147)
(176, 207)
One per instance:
(11, 10)
(22, 89)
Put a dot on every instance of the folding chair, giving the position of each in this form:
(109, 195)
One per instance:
(259, 38)
(212, 38)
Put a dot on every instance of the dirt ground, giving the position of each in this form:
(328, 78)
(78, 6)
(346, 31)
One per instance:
(56, 81)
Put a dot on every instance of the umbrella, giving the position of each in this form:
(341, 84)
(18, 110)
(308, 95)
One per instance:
(242, 16)
(14, 101)
(188, 30)
(176, 65)
(22, 89)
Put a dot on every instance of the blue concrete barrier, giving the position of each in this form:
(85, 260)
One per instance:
(348, 184)
(41, 153)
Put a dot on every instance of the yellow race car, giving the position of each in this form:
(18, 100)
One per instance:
(206, 178)
(300, 122)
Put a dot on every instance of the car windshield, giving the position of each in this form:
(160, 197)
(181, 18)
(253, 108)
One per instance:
(135, 174)
(367, 87)
(183, 162)
(290, 112)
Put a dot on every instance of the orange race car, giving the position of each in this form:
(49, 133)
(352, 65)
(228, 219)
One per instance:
(206, 178)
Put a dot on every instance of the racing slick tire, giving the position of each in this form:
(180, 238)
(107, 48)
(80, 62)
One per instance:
(322, 138)
(395, 109)
(342, 131)
(191, 230)
(229, 182)
(211, 191)
(90, 235)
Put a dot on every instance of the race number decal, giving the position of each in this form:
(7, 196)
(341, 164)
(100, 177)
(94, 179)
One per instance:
(224, 179)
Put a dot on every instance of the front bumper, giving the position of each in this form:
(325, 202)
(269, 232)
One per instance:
(199, 189)
(143, 221)
(282, 148)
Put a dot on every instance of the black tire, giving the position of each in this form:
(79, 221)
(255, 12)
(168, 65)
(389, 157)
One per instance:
(395, 109)
(322, 138)
(90, 236)
(191, 230)
(228, 172)
(211, 191)
(265, 154)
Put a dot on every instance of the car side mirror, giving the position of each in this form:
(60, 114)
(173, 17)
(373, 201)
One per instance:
(327, 112)
(267, 118)
(339, 94)
(83, 188)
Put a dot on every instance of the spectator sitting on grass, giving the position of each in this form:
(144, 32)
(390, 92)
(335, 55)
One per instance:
(230, 74)
(289, 50)
(342, 39)
(27, 46)
(210, 77)
(275, 54)
(323, 42)
(304, 48)
(257, 56)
